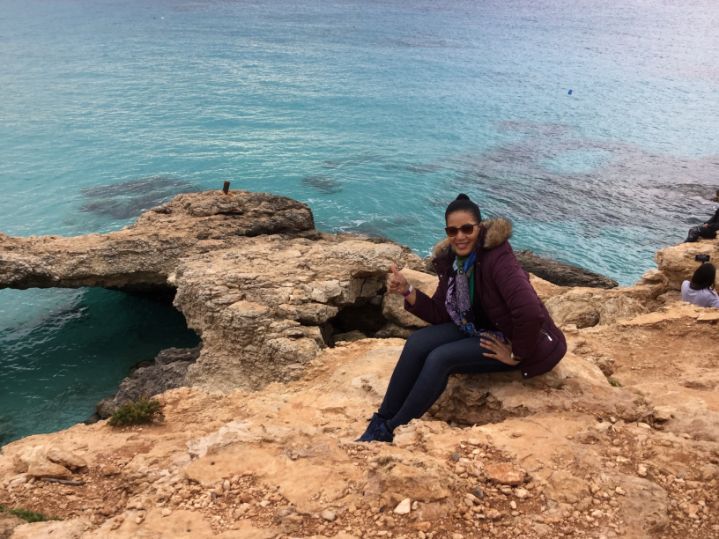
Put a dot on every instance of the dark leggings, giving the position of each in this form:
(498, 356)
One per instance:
(430, 355)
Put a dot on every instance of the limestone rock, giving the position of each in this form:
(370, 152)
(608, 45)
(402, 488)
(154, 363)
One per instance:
(678, 262)
(146, 253)
(425, 478)
(48, 469)
(505, 474)
(221, 253)
(588, 307)
(636, 457)
(562, 274)
(8, 523)
(67, 529)
(543, 288)
(566, 487)
(168, 371)
(68, 459)
(403, 507)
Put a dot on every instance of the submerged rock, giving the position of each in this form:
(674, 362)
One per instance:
(561, 273)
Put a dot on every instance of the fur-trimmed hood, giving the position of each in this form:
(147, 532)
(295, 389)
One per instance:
(494, 232)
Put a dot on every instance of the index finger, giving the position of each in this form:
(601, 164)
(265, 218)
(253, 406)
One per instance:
(393, 268)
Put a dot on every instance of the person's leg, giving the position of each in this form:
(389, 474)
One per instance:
(693, 234)
(411, 361)
(464, 356)
(409, 365)
(709, 231)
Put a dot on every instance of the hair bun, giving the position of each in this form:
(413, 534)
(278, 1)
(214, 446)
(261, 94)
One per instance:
(462, 196)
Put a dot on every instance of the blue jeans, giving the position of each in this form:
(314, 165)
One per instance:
(430, 355)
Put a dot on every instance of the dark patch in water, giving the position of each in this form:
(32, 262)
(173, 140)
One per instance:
(423, 168)
(699, 190)
(379, 228)
(635, 200)
(426, 42)
(323, 184)
(129, 199)
(6, 432)
(534, 128)
(616, 190)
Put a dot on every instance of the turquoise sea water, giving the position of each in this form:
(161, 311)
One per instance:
(374, 113)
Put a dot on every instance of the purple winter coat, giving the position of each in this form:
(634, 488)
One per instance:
(508, 299)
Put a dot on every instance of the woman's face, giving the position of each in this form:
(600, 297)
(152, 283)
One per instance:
(462, 241)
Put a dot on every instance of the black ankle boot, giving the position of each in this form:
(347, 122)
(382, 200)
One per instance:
(383, 433)
(375, 423)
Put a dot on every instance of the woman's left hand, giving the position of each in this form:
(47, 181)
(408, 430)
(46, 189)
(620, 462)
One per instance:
(497, 349)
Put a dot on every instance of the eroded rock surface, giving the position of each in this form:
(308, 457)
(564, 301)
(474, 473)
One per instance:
(263, 289)
(621, 439)
(678, 262)
(168, 371)
(561, 273)
(145, 253)
(573, 452)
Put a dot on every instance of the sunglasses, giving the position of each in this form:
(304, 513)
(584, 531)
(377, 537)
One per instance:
(467, 229)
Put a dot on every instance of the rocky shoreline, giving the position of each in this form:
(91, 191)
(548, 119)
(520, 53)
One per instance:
(298, 340)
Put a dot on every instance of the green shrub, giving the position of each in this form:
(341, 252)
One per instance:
(614, 382)
(28, 516)
(138, 412)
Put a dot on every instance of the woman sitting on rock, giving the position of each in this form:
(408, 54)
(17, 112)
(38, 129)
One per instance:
(700, 290)
(485, 317)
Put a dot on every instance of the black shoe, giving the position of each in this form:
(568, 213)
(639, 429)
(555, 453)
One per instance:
(377, 430)
(373, 424)
(383, 433)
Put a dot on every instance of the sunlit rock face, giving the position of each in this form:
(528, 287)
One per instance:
(147, 252)
(263, 288)
(620, 439)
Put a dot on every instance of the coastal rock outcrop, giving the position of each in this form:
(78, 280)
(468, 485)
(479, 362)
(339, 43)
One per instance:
(264, 290)
(621, 439)
(167, 371)
(561, 273)
(678, 262)
(145, 253)
(633, 455)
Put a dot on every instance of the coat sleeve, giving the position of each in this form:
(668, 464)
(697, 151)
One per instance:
(524, 305)
(431, 309)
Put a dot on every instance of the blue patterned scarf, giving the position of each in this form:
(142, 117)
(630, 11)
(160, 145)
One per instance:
(459, 301)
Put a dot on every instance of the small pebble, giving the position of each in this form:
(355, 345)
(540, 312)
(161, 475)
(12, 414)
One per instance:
(403, 507)
(328, 515)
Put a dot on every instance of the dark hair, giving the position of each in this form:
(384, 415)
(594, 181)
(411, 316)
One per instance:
(462, 203)
(703, 277)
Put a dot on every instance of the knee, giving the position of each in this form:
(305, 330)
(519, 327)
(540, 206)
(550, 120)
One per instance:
(436, 364)
(417, 343)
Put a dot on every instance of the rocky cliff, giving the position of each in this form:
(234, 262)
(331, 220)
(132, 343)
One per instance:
(620, 440)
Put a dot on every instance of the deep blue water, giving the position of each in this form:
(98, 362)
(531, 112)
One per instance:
(375, 113)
